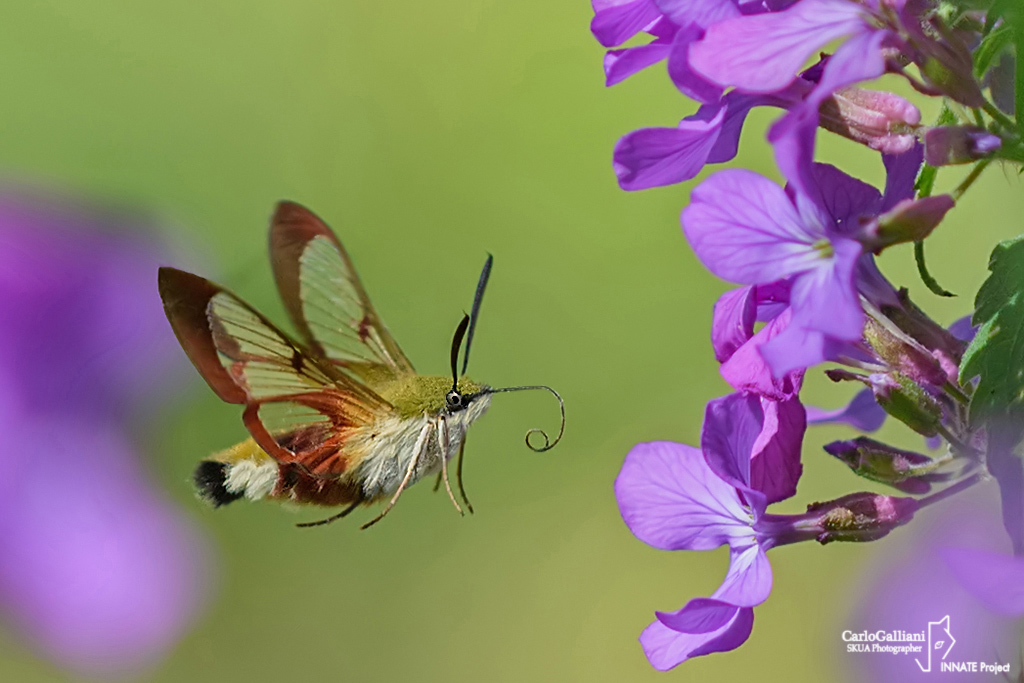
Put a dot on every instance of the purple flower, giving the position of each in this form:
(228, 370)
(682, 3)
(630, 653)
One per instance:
(746, 229)
(672, 500)
(97, 569)
(815, 244)
(675, 497)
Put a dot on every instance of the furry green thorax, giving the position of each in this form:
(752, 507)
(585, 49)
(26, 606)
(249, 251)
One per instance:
(415, 395)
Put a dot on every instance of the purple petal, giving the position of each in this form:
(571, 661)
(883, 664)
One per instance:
(995, 579)
(798, 348)
(862, 413)
(773, 299)
(858, 59)
(691, 84)
(732, 322)
(749, 580)
(621, 64)
(731, 426)
(666, 648)
(963, 330)
(775, 466)
(737, 105)
(651, 157)
(747, 370)
(763, 53)
(744, 229)
(670, 499)
(703, 13)
(700, 615)
(616, 22)
(754, 443)
(844, 198)
(900, 176)
(825, 299)
(747, 584)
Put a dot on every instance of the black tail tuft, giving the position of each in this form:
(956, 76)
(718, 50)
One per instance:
(209, 479)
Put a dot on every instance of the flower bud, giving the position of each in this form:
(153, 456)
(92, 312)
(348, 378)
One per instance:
(907, 402)
(899, 396)
(881, 120)
(946, 64)
(949, 145)
(905, 355)
(861, 517)
(905, 471)
(910, 220)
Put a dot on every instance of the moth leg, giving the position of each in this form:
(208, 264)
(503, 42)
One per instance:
(458, 475)
(443, 443)
(437, 484)
(343, 513)
(421, 444)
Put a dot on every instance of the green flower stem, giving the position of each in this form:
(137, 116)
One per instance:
(1003, 120)
(922, 270)
(952, 490)
(969, 180)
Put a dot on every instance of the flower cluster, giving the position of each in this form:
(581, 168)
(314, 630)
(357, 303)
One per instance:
(803, 256)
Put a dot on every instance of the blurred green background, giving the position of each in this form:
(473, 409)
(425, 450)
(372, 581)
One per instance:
(429, 134)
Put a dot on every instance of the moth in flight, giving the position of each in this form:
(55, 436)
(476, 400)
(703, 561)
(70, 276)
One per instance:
(338, 417)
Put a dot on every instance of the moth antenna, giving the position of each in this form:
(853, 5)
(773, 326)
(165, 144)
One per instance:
(481, 285)
(460, 332)
(548, 444)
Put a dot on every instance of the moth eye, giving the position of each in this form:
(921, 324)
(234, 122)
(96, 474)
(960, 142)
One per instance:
(453, 399)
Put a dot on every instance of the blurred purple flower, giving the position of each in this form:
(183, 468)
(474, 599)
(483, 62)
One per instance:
(995, 579)
(97, 568)
(917, 583)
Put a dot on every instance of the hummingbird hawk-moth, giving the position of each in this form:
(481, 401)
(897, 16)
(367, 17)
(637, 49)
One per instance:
(337, 417)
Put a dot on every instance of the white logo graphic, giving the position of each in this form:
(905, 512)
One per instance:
(937, 641)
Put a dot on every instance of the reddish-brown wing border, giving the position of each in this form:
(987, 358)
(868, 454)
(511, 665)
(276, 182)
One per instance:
(186, 298)
(346, 403)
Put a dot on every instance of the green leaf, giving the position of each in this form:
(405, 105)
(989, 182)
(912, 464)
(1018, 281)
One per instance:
(990, 48)
(996, 356)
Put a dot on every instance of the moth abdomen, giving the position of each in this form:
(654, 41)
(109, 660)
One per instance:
(210, 479)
